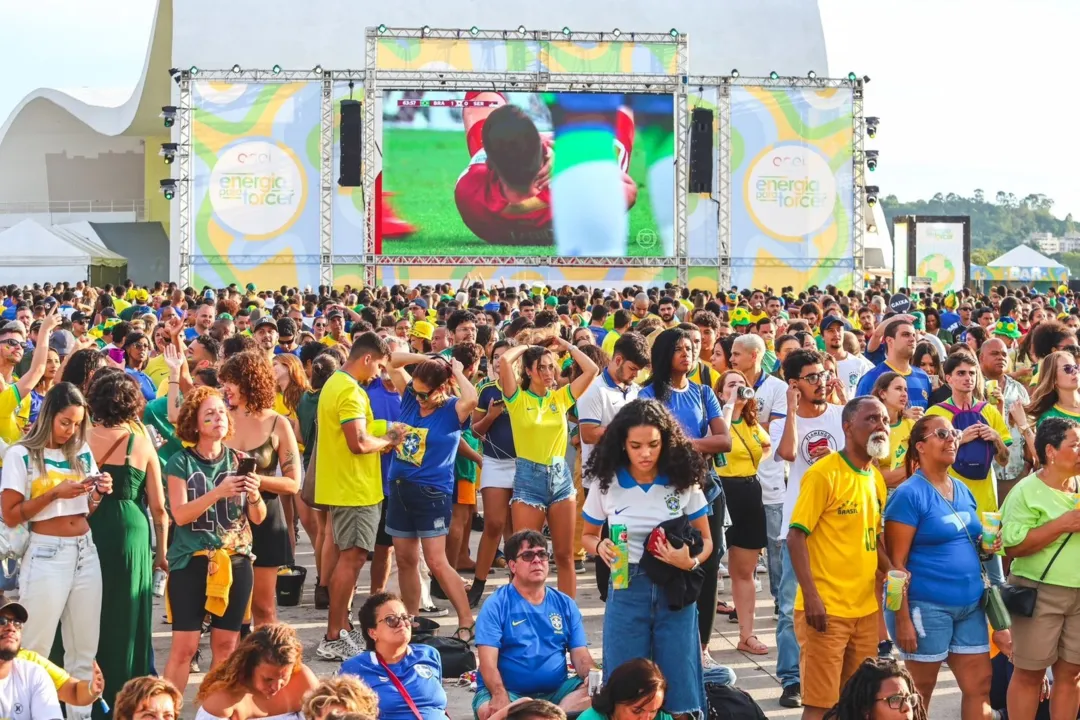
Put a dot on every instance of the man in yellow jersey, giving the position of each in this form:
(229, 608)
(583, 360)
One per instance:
(348, 480)
(835, 551)
(620, 325)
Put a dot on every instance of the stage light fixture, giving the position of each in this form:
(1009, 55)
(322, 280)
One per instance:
(811, 75)
(852, 77)
(425, 30)
(774, 75)
(382, 29)
(871, 160)
(168, 114)
(866, 79)
(871, 228)
(168, 151)
(674, 33)
(168, 188)
(872, 126)
(616, 32)
(735, 73)
(474, 30)
(276, 69)
(521, 30)
(193, 71)
(236, 68)
(872, 195)
(566, 31)
(317, 70)
(173, 72)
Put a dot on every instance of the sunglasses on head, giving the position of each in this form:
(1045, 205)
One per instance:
(530, 555)
(395, 621)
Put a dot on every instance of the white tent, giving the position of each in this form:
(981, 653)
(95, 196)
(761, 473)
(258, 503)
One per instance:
(32, 253)
(1024, 256)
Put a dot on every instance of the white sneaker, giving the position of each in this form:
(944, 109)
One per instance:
(723, 571)
(341, 649)
(757, 584)
(708, 662)
(761, 568)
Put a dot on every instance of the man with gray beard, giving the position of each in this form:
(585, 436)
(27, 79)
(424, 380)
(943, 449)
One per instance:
(835, 548)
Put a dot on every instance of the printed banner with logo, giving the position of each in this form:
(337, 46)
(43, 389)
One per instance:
(792, 187)
(255, 184)
(939, 254)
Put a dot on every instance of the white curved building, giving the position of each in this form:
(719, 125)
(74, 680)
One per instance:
(65, 158)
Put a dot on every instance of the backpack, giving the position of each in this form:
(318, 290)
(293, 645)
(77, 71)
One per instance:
(730, 703)
(973, 459)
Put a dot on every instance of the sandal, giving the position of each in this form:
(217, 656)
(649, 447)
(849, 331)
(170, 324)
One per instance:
(723, 608)
(466, 634)
(753, 646)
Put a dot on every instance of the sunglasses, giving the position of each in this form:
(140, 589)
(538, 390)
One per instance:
(395, 621)
(817, 378)
(5, 620)
(421, 396)
(10, 342)
(530, 555)
(899, 700)
(320, 324)
(285, 340)
(946, 434)
(1070, 369)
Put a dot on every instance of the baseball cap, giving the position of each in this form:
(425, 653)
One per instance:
(18, 610)
(250, 287)
(79, 317)
(141, 295)
(333, 314)
(63, 342)
(492, 307)
(830, 320)
(422, 329)
(551, 301)
(420, 303)
(265, 320)
(13, 326)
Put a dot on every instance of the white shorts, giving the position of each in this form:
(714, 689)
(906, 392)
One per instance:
(498, 473)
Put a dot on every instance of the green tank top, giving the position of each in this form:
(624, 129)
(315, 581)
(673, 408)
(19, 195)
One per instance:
(223, 525)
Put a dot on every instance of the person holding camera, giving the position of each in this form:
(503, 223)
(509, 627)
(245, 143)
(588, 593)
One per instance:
(737, 470)
(50, 480)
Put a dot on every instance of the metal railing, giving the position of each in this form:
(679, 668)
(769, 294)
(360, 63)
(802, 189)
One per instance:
(73, 207)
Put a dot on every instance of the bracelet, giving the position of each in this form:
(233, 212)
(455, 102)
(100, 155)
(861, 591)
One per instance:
(256, 501)
(174, 382)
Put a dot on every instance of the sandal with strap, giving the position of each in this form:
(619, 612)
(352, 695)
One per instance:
(723, 608)
(466, 634)
(753, 646)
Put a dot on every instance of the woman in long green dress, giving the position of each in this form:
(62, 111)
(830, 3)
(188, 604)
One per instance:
(121, 530)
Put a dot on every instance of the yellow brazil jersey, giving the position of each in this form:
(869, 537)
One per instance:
(13, 410)
(757, 317)
(984, 489)
(343, 478)
(610, 339)
(839, 509)
(695, 375)
(328, 341)
(57, 674)
(747, 448)
(899, 434)
(157, 370)
(539, 423)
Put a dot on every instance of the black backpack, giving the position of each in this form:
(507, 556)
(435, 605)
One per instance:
(730, 703)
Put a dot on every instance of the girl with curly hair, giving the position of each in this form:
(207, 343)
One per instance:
(120, 528)
(265, 678)
(263, 434)
(212, 507)
(648, 472)
(340, 694)
(881, 689)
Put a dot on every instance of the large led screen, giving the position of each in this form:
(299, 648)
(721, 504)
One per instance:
(527, 174)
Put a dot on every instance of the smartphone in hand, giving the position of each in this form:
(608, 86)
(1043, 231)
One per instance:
(246, 466)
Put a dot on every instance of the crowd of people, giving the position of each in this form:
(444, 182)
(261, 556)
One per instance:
(904, 475)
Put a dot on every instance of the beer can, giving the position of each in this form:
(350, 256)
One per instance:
(595, 681)
(620, 569)
(159, 582)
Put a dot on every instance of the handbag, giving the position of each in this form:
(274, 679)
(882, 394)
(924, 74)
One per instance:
(1020, 599)
(992, 602)
(307, 489)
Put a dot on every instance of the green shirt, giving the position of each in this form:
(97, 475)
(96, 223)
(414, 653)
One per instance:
(768, 362)
(1030, 504)
(465, 469)
(1058, 412)
(156, 415)
(306, 410)
(224, 525)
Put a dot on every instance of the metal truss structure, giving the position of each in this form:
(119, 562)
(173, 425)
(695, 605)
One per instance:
(374, 81)
(858, 158)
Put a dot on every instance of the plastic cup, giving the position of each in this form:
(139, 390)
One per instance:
(894, 589)
(379, 428)
(991, 522)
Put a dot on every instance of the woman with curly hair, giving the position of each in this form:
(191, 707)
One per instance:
(881, 689)
(212, 507)
(121, 531)
(747, 535)
(648, 472)
(265, 678)
(266, 436)
(292, 384)
(80, 367)
(148, 698)
(340, 694)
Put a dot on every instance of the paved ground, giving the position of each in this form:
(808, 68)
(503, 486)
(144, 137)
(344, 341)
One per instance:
(756, 675)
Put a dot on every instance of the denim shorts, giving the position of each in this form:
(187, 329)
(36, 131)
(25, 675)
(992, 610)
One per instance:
(541, 486)
(571, 684)
(667, 637)
(417, 511)
(943, 629)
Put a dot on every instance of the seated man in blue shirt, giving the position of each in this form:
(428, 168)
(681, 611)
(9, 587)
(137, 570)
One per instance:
(523, 633)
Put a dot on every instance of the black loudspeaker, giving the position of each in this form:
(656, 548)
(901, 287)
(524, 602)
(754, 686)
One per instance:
(352, 126)
(1074, 286)
(701, 156)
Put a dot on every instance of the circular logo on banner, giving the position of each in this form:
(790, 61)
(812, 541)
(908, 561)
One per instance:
(257, 187)
(900, 303)
(790, 191)
(939, 268)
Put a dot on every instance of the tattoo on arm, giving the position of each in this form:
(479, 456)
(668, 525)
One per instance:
(288, 462)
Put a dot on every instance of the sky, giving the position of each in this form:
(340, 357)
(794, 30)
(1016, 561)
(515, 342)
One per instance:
(971, 93)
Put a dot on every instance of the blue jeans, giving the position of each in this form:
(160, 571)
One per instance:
(774, 516)
(667, 637)
(787, 647)
(994, 571)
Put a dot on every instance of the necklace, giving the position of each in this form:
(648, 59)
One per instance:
(946, 494)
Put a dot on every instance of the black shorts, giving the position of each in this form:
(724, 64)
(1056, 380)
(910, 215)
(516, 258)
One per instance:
(187, 595)
(743, 498)
(382, 539)
(270, 539)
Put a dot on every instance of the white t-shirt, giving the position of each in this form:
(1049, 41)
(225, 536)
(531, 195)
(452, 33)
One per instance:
(27, 693)
(641, 508)
(20, 477)
(771, 395)
(809, 433)
(850, 369)
(598, 405)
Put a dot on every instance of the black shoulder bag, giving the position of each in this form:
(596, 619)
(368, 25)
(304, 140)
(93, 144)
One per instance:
(1020, 599)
